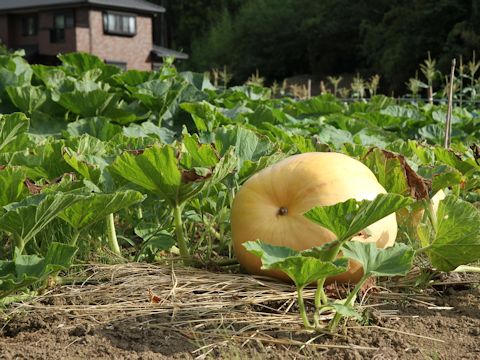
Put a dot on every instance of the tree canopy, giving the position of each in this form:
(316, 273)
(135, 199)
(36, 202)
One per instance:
(282, 38)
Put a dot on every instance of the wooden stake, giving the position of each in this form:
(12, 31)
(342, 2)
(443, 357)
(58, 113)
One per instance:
(448, 122)
(309, 87)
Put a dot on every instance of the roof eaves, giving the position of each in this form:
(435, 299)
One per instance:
(136, 5)
(161, 51)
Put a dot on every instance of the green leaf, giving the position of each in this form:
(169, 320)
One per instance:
(389, 171)
(27, 98)
(155, 170)
(457, 240)
(450, 158)
(88, 171)
(13, 129)
(12, 185)
(206, 116)
(392, 261)
(149, 130)
(345, 310)
(98, 127)
(248, 145)
(395, 174)
(28, 217)
(325, 252)
(95, 207)
(331, 135)
(441, 176)
(251, 167)
(44, 161)
(79, 63)
(26, 270)
(88, 103)
(301, 269)
(269, 254)
(161, 170)
(306, 270)
(351, 217)
(154, 239)
(197, 155)
(158, 95)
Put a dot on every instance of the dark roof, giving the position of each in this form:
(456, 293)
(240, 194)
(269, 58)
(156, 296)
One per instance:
(138, 5)
(161, 52)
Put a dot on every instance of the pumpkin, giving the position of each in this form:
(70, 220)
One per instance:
(270, 207)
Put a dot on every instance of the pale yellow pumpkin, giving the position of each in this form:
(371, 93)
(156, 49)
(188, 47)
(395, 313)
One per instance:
(271, 204)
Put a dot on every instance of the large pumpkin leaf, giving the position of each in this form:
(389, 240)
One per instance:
(303, 270)
(44, 161)
(26, 270)
(98, 127)
(206, 116)
(27, 98)
(393, 261)
(348, 218)
(173, 177)
(27, 218)
(13, 129)
(88, 103)
(457, 239)
(12, 185)
(88, 210)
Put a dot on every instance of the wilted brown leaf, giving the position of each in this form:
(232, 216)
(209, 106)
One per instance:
(192, 176)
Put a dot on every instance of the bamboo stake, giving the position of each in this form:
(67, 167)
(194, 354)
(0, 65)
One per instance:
(448, 122)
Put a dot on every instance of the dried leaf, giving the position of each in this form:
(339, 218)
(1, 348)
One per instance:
(32, 187)
(154, 299)
(192, 175)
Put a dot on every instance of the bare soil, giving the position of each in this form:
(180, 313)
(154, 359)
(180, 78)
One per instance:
(445, 325)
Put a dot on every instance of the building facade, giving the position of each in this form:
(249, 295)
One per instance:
(119, 32)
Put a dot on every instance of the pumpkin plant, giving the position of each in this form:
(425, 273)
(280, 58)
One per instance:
(176, 173)
(317, 264)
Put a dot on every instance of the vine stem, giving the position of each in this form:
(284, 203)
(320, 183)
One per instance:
(432, 215)
(320, 300)
(303, 312)
(182, 244)
(112, 235)
(336, 319)
(139, 213)
(19, 243)
(74, 239)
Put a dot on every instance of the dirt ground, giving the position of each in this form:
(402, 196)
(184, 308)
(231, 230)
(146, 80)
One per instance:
(443, 323)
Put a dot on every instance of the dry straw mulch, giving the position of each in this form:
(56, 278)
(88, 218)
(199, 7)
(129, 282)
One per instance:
(205, 307)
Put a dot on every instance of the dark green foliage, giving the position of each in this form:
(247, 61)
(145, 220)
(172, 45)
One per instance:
(282, 38)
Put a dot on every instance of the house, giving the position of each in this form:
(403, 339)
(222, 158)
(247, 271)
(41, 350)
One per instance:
(118, 31)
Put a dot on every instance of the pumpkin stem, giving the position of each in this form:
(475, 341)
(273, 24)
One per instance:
(282, 211)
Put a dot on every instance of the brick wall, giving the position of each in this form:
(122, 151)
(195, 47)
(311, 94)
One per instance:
(134, 51)
(82, 30)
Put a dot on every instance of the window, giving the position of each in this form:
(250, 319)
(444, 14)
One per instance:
(30, 25)
(61, 21)
(119, 24)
